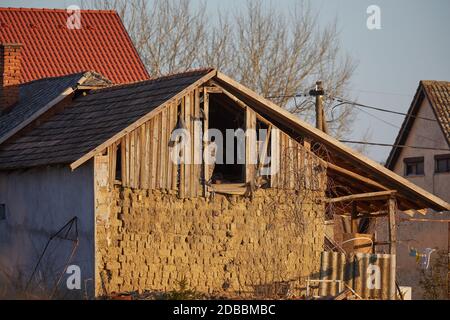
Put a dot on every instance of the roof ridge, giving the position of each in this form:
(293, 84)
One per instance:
(155, 80)
(55, 10)
(81, 73)
(434, 82)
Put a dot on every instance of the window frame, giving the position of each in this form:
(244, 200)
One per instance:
(414, 161)
(441, 157)
(2, 211)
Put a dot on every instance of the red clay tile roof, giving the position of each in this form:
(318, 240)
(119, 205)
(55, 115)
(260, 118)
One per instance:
(50, 49)
(438, 92)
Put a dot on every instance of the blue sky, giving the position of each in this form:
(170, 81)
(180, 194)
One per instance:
(412, 45)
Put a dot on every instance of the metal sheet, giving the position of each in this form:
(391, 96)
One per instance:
(370, 275)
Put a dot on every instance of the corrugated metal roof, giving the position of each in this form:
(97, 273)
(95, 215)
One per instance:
(371, 276)
(51, 49)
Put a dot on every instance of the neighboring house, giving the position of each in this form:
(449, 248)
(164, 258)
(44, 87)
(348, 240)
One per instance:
(51, 49)
(88, 181)
(427, 125)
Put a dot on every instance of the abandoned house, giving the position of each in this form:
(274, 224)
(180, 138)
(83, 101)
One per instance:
(88, 180)
(428, 124)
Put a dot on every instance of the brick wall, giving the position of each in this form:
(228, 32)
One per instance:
(10, 73)
(151, 240)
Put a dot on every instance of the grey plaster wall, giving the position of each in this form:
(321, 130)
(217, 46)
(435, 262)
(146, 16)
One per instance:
(38, 203)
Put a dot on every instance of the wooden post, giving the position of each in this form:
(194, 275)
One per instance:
(320, 119)
(205, 140)
(354, 223)
(392, 245)
(448, 261)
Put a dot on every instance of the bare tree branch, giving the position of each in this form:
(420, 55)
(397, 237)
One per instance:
(276, 54)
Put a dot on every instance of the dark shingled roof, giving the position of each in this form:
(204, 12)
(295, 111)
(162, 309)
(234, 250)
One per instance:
(91, 120)
(36, 95)
(438, 94)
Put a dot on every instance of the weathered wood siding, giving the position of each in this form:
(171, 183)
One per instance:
(146, 163)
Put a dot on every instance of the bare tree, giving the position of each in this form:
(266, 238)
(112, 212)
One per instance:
(276, 54)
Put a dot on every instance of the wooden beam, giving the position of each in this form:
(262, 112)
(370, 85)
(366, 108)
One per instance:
(363, 196)
(392, 244)
(353, 175)
(213, 90)
(392, 225)
(244, 106)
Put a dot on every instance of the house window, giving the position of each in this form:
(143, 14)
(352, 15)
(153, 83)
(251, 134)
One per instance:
(414, 166)
(2, 211)
(442, 163)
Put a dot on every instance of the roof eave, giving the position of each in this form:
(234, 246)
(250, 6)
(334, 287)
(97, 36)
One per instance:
(318, 135)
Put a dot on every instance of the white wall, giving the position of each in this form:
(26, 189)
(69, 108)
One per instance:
(38, 203)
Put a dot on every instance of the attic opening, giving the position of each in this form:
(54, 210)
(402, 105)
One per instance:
(225, 115)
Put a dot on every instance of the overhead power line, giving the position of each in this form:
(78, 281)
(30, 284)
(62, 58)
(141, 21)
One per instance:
(392, 145)
(344, 101)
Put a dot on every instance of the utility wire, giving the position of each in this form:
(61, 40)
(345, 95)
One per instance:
(344, 101)
(391, 124)
(354, 103)
(358, 105)
(392, 145)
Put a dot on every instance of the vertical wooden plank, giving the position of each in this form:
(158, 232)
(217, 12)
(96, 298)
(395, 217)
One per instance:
(282, 174)
(137, 157)
(301, 166)
(196, 144)
(151, 154)
(144, 157)
(295, 164)
(157, 131)
(275, 157)
(128, 158)
(205, 139)
(192, 151)
(250, 148)
(124, 161)
(187, 167)
(169, 132)
(164, 149)
(392, 244)
(174, 164)
(148, 161)
(292, 159)
(133, 159)
(155, 144)
(182, 167)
